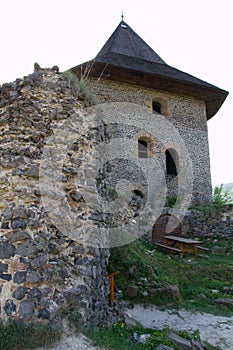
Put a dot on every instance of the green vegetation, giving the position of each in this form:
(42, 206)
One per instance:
(221, 197)
(228, 188)
(73, 79)
(72, 313)
(111, 194)
(190, 336)
(78, 87)
(121, 337)
(18, 335)
(200, 278)
(171, 201)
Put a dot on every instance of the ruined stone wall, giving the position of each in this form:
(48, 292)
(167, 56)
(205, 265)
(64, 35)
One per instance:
(45, 265)
(213, 223)
(187, 115)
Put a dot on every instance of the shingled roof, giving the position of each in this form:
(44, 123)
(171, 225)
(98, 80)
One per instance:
(124, 41)
(126, 57)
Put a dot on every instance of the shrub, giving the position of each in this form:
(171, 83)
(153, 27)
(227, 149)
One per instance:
(78, 86)
(221, 197)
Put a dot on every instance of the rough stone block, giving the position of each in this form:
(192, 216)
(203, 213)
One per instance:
(26, 309)
(19, 277)
(10, 307)
(173, 292)
(3, 267)
(7, 250)
(20, 292)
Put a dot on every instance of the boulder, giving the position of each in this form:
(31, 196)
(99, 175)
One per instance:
(132, 291)
(224, 301)
(173, 292)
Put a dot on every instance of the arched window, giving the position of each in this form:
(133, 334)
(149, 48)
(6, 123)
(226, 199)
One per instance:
(142, 148)
(171, 162)
(156, 106)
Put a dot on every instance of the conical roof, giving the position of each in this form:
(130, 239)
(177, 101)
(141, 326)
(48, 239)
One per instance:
(125, 41)
(127, 58)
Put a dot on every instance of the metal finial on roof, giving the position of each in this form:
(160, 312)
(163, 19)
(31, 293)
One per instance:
(122, 16)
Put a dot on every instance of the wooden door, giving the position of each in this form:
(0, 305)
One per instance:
(161, 227)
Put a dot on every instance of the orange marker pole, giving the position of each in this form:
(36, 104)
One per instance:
(112, 285)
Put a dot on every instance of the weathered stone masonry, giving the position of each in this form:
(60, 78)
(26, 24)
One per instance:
(42, 270)
(187, 114)
(186, 111)
(216, 223)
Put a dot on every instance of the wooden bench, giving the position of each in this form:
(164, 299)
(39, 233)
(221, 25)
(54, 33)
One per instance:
(202, 248)
(181, 245)
(177, 250)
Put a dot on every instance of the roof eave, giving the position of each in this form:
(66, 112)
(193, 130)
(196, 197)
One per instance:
(213, 96)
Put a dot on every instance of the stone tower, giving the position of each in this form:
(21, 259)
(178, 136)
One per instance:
(127, 70)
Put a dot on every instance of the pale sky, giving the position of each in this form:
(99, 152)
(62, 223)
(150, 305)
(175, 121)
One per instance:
(194, 36)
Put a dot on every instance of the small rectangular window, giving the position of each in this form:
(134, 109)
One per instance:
(170, 164)
(142, 149)
(156, 107)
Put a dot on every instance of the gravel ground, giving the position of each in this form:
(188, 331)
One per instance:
(74, 342)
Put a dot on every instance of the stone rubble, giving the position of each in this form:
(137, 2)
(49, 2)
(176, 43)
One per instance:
(216, 224)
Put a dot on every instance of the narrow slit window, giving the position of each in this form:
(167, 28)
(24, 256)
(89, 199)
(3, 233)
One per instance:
(142, 149)
(170, 164)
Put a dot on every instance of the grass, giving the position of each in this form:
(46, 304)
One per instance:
(201, 279)
(221, 200)
(16, 335)
(121, 337)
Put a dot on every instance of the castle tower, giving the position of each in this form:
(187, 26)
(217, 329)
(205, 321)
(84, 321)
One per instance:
(127, 70)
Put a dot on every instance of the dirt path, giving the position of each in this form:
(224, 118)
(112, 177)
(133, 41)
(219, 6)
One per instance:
(217, 330)
(74, 342)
